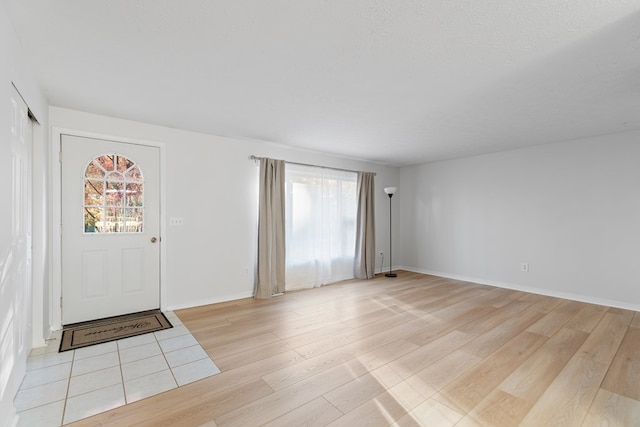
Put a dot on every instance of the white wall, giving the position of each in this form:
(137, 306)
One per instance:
(212, 184)
(15, 70)
(571, 210)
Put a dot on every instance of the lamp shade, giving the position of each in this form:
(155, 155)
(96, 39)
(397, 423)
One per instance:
(390, 190)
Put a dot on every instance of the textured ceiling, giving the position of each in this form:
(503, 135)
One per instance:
(392, 81)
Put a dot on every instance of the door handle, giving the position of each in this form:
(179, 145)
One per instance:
(154, 239)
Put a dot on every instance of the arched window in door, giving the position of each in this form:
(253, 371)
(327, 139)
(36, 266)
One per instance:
(113, 195)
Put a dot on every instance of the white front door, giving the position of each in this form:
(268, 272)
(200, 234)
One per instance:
(110, 228)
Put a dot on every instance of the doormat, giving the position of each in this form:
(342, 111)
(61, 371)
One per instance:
(100, 331)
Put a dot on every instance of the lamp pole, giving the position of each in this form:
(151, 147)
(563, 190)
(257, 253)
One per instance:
(390, 191)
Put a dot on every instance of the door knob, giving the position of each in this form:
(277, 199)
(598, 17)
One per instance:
(153, 240)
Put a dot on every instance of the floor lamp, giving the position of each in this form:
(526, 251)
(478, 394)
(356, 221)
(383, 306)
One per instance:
(390, 191)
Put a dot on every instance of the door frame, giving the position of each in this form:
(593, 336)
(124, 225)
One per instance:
(56, 214)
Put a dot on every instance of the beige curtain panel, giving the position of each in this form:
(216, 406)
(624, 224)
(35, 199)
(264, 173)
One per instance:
(271, 243)
(365, 259)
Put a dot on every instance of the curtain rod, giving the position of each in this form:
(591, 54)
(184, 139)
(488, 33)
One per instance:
(252, 157)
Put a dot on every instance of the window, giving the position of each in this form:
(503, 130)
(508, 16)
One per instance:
(320, 225)
(113, 197)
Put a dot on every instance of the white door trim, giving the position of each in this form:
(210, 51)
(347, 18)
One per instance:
(55, 290)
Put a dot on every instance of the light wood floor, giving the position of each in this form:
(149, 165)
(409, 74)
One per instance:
(414, 350)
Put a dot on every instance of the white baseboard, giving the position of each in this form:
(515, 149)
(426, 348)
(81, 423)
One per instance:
(199, 303)
(53, 332)
(540, 291)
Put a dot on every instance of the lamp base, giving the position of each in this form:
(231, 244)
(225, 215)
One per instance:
(391, 275)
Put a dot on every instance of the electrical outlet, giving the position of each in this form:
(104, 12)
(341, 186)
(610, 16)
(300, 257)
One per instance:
(176, 221)
(524, 267)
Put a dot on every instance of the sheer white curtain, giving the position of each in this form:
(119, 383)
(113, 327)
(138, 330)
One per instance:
(320, 225)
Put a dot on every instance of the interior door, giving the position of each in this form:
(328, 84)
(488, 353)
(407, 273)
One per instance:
(15, 251)
(110, 228)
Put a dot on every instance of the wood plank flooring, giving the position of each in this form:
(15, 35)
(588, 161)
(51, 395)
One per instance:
(416, 350)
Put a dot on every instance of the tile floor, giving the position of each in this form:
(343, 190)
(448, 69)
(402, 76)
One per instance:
(60, 388)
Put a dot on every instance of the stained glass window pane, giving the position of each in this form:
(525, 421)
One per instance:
(115, 176)
(134, 194)
(133, 220)
(93, 220)
(115, 194)
(113, 198)
(114, 221)
(134, 174)
(106, 162)
(124, 164)
(93, 192)
(94, 170)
